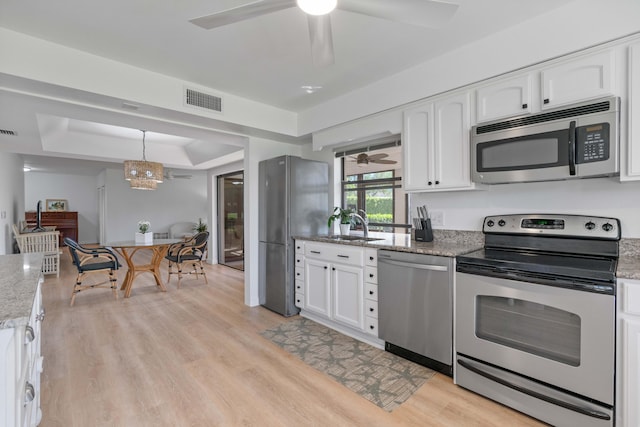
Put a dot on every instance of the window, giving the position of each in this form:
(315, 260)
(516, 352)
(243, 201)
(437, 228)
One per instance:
(372, 181)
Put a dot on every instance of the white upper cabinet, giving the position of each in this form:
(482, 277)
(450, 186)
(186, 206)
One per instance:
(505, 98)
(631, 170)
(578, 79)
(436, 144)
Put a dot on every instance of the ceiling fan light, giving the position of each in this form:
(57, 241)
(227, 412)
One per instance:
(317, 7)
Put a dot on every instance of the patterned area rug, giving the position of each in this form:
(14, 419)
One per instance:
(380, 377)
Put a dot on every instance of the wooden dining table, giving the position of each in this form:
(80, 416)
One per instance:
(128, 248)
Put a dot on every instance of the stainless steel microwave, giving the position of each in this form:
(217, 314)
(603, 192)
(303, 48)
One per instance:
(578, 141)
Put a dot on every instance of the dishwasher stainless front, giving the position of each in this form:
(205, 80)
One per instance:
(415, 307)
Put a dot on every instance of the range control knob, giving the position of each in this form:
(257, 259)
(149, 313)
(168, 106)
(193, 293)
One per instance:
(490, 223)
(590, 225)
(502, 223)
(607, 227)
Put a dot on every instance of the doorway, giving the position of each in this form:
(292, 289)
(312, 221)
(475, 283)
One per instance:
(231, 224)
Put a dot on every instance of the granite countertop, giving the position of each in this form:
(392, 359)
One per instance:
(449, 243)
(629, 261)
(19, 276)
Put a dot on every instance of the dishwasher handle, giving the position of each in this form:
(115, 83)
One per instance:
(413, 265)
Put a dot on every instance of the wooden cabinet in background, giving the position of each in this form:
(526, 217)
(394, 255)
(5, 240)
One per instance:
(65, 222)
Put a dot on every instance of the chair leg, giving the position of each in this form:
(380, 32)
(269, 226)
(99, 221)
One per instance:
(203, 273)
(76, 289)
(114, 285)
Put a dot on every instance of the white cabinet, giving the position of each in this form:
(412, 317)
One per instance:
(631, 171)
(506, 98)
(581, 78)
(336, 278)
(436, 144)
(565, 82)
(628, 363)
(20, 369)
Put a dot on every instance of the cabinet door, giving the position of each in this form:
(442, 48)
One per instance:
(630, 375)
(578, 79)
(348, 301)
(505, 98)
(452, 165)
(317, 286)
(633, 145)
(417, 137)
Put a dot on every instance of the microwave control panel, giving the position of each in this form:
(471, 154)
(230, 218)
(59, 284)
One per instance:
(592, 143)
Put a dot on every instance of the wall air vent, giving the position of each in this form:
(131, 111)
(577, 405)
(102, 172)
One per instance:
(7, 132)
(203, 100)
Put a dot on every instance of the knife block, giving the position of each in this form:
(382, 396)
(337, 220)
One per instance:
(426, 234)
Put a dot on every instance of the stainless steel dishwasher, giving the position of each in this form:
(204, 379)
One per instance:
(415, 307)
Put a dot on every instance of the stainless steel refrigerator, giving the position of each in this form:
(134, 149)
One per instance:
(294, 200)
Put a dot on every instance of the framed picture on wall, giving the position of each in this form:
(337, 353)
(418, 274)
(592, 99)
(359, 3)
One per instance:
(54, 205)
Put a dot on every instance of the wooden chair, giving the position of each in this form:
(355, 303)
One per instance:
(99, 260)
(191, 251)
(46, 242)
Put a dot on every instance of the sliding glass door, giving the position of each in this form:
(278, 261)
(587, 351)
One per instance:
(231, 223)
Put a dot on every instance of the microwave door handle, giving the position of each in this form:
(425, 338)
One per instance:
(572, 148)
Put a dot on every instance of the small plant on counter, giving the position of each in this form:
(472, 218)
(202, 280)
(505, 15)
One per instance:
(143, 226)
(343, 215)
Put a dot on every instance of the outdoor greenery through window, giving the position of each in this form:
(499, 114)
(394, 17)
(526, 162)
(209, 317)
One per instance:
(376, 189)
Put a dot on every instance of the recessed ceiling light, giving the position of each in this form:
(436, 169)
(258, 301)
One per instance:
(311, 89)
(317, 7)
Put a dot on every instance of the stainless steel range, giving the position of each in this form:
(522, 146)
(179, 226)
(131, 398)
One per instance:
(535, 316)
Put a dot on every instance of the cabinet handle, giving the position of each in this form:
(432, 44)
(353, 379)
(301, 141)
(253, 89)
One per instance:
(315, 252)
(29, 335)
(40, 317)
(546, 101)
(371, 258)
(371, 327)
(430, 183)
(437, 182)
(334, 269)
(325, 267)
(371, 309)
(343, 256)
(524, 106)
(371, 276)
(370, 292)
(29, 393)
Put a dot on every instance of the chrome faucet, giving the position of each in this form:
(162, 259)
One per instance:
(364, 215)
(365, 223)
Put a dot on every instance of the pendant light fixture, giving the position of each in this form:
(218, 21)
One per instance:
(317, 7)
(142, 174)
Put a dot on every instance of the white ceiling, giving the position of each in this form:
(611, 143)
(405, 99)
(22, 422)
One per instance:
(266, 59)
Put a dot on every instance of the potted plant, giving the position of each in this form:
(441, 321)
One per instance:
(200, 226)
(344, 216)
(144, 235)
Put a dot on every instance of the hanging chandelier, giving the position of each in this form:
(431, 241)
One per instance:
(142, 174)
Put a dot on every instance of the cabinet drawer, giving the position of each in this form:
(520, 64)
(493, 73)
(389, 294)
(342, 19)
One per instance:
(299, 272)
(371, 325)
(371, 257)
(371, 291)
(299, 245)
(371, 308)
(630, 298)
(371, 274)
(299, 287)
(342, 254)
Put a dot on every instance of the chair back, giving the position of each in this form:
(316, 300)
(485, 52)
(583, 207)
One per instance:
(200, 240)
(73, 247)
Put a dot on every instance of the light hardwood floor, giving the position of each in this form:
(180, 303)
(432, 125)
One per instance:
(194, 357)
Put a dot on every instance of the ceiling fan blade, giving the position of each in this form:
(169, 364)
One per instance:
(423, 13)
(240, 13)
(383, 162)
(378, 156)
(321, 40)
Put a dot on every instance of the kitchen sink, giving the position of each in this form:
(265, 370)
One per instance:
(353, 238)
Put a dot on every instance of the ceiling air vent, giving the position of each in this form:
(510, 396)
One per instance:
(7, 132)
(203, 100)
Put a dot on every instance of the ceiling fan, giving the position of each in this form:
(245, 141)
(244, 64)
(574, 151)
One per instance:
(424, 13)
(170, 175)
(364, 159)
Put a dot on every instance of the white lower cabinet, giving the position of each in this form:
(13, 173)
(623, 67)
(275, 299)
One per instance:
(336, 279)
(628, 350)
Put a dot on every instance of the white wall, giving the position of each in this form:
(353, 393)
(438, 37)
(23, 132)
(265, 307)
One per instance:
(80, 192)
(177, 200)
(11, 198)
(465, 210)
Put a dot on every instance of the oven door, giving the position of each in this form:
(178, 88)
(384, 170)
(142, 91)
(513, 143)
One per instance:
(558, 336)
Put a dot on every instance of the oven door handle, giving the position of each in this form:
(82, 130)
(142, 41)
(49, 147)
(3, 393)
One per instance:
(572, 148)
(412, 265)
(585, 411)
